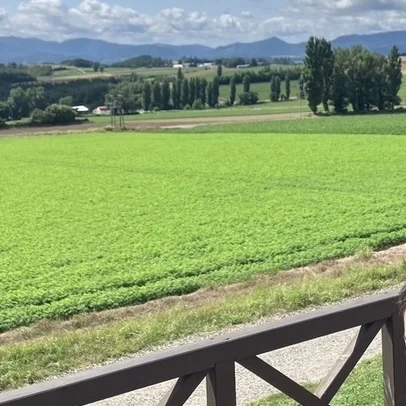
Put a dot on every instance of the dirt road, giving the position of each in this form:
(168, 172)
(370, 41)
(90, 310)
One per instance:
(141, 125)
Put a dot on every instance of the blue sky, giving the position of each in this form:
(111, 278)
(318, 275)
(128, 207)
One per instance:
(206, 22)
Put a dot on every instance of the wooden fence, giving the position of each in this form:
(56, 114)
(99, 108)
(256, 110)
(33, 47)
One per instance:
(214, 360)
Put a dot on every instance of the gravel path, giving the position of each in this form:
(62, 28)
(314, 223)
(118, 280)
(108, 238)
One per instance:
(307, 362)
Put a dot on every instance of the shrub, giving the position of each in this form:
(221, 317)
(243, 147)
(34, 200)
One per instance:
(57, 114)
(198, 105)
(39, 117)
(54, 114)
(248, 98)
(3, 123)
(66, 101)
(187, 107)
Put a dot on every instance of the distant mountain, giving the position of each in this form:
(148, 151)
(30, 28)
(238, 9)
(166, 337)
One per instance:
(32, 50)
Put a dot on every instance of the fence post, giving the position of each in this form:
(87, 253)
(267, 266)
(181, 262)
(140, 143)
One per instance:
(221, 390)
(394, 359)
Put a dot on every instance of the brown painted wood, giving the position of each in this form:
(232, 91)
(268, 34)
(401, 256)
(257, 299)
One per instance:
(121, 377)
(220, 385)
(349, 359)
(182, 390)
(281, 382)
(394, 360)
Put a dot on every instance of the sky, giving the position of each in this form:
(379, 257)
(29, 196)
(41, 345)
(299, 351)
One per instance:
(205, 22)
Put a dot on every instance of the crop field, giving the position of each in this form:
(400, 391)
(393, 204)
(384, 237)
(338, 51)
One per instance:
(108, 220)
(373, 124)
(72, 72)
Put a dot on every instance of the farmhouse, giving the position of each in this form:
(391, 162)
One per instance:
(80, 109)
(177, 66)
(101, 111)
(246, 66)
(206, 65)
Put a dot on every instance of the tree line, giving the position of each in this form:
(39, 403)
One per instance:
(263, 74)
(181, 93)
(356, 78)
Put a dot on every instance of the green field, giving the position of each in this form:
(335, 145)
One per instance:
(73, 72)
(101, 221)
(373, 124)
(257, 110)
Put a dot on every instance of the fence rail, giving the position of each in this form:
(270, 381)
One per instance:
(214, 360)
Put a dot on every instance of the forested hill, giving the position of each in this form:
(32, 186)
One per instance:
(32, 50)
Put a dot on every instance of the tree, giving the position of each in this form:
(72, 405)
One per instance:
(339, 86)
(274, 94)
(394, 75)
(192, 91)
(216, 91)
(66, 101)
(313, 75)
(4, 111)
(184, 98)
(146, 96)
(180, 74)
(327, 70)
(197, 105)
(198, 86)
(248, 98)
(36, 98)
(302, 86)
(278, 84)
(157, 95)
(130, 94)
(166, 94)
(203, 88)
(287, 87)
(210, 99)
(18, 102)
(246, 84)
(96, 66)
(101, 68)
(254, 62)
(233, 91)
(174, 95)
(53, 115)
(219, 71)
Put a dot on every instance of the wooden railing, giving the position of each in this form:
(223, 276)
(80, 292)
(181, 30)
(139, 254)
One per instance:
(214, 360)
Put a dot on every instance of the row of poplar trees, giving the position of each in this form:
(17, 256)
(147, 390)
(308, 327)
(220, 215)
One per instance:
(356, 78)
(181, 93)
(275, 88)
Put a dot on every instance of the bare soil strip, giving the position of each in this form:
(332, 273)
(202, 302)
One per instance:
(140, 125)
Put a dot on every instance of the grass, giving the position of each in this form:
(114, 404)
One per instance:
(105, 221)
(371, 124)
(28, 359)
(363, 387)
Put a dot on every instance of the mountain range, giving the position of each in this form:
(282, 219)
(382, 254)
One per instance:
(33, 50)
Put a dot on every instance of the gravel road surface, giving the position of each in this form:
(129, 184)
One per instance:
(307, 362)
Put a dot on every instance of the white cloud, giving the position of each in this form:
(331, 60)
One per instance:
(350, 6)
(104, 19)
